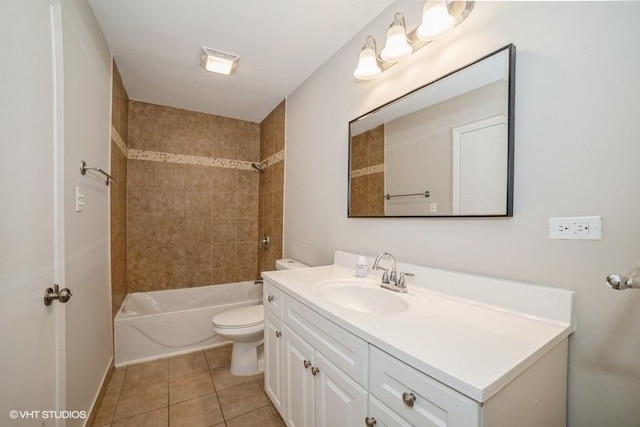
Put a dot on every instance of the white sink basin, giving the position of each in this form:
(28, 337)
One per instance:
(364, 297)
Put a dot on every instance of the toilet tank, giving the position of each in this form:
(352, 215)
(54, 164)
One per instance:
(289, 264)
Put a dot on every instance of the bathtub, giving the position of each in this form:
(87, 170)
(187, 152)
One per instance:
(150, 325)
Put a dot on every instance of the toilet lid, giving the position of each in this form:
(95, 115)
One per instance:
(240, 317)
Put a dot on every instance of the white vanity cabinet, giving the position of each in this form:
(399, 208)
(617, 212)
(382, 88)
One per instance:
(323, 368)
(466, 365)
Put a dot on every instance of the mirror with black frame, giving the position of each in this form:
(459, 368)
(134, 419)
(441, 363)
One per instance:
(442, 150)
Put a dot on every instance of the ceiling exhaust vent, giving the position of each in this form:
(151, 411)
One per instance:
(217, 61)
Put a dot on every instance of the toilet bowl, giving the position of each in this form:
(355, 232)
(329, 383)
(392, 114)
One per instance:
(245, 327)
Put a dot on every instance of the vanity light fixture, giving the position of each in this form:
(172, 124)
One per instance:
(217, 61)
(397, 47)
(438, 19)
(368, 64)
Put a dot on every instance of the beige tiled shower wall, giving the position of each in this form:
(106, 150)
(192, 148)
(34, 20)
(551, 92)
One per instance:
(272, 132)
(190, 225)
(118, 214)
(367, 190)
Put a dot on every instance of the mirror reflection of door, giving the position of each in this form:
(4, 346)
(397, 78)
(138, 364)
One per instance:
(480, 167)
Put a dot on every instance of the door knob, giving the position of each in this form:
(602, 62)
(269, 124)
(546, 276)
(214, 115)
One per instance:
(63, 295)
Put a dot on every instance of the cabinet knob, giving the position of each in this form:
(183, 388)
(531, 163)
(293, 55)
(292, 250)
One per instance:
(307, 363)
(370, 421)
(315, 371)
(278, 334)
(270, 298)
(408, 399)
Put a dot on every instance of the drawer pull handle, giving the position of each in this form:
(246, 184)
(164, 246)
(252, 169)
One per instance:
(278, 334)
(370, 421)
(307, 363)
(315, 371)
(270, 298)
(408, 399)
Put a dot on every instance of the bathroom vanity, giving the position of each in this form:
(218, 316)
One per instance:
(455, 350)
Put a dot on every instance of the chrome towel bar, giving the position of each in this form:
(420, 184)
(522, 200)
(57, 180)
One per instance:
(84, 169)
(425, 194)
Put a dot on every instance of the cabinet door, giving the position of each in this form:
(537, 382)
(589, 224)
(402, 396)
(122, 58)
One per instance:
(299, 382)
(340, 401)
(273, 349)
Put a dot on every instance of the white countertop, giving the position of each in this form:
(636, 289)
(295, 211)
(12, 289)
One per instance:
(475, 348)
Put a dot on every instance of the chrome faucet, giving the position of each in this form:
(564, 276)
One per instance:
(390, 280)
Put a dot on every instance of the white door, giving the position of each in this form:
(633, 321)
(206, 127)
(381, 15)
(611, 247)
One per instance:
(339, 400)
(480, 167)
(28, 256)
(299, 381)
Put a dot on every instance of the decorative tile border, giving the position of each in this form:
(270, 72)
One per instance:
(272, 160)
(115, 137)
(369, 170)
(187, 159)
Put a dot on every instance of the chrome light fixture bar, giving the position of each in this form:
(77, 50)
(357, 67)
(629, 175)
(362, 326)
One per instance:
(217, 61)
(438, 19)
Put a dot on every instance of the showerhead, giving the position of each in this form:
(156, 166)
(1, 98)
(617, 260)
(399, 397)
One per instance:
(257, 167)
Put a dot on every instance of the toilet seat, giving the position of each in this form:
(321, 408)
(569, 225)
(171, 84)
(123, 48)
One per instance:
(237, 318)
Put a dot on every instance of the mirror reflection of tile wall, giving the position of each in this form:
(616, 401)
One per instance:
(367, 173)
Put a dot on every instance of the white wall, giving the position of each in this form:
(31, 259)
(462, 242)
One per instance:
(87, 109)
(577, 152)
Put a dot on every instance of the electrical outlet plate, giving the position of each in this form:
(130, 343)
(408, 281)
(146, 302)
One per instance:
(576, 228)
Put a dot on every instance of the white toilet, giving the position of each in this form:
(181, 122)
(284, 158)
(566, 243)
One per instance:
(245, 327)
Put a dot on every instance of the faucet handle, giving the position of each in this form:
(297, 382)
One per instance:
(385, 275)
(401, 280)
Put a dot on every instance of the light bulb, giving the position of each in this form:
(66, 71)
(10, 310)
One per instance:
(368, 63)
(397, 47)
(436, 21)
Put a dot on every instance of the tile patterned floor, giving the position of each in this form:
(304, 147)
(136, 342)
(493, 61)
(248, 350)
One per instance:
(193, 390)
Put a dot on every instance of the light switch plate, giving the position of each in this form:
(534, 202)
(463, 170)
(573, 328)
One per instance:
(79, 200)
(576, 228)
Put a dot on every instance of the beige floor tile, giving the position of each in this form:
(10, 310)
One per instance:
(106, 410)
(260, 379)
(203, 411)
(145, 374)
(241, 399)
(187, 364)
(222, 378)
(157, 418)
(116, 381)
(219, 356)
(263, 417)
(189, 386)
(138, 400)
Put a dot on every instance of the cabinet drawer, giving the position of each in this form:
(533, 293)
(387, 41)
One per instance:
(384, 416)
(273, 299)
(345, 350)
(435, 404)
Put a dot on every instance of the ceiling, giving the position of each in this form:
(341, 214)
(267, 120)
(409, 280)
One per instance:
(156, 45)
